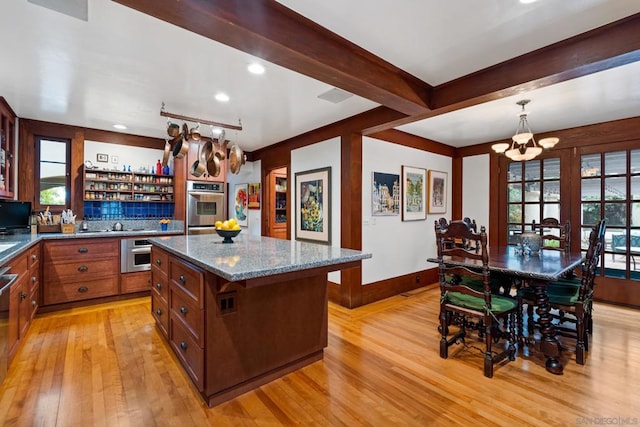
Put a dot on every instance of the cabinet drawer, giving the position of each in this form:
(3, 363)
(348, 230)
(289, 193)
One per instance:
(81, 249)
(135, 282)
(159, 259)
(80, 270)
(33, 256)
(185, 309)
(187, 350)
(160, 313)
(189, 278)
(160, 284)
(65, 291)
(18, 265)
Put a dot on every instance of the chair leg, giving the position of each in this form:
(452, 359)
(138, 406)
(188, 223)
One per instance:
(520, 326)
(580, 334)
(530, 323)
(444, 330)
(513, 335)
(488, 355)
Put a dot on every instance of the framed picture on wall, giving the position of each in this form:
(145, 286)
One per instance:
(437, 192)
(414, 193)
(102, 157)
(240, 203)
(313, 205)
(385, 194)
(254, 195)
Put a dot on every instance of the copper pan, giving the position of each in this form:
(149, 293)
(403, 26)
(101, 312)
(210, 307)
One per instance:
(236, 159)
(199, 166)
(167, 152)
(180, 147)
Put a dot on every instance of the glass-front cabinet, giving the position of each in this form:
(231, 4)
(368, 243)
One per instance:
(7, 144)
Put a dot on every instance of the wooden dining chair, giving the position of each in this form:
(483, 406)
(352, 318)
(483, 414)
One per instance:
(573, 297)
(463, 306)
(554, 235)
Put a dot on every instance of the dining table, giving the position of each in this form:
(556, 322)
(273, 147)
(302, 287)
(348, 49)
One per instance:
(535, 271)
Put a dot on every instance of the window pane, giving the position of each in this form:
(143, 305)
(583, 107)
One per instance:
(53, 151)
(616, 214)
(635, 161)
(590, 213)
(615, 163)
(515, 171)
(532, 192)
(515, 192)
(551, 191)
(590, 165)
(514, 232)
(615, 188)
(635, 214)
(515, 213)
(590, 189)
(551, 168)
(531, 213)
(584, 237)
(635, 187)
(532, 170)
(53, 184)
(551, 210)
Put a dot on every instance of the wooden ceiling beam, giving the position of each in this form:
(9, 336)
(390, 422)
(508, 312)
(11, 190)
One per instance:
(269, 30)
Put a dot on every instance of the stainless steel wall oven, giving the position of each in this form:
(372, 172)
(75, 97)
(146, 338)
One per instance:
(135, 255)
(206, 204)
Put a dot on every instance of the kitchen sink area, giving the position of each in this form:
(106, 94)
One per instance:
(6, 246)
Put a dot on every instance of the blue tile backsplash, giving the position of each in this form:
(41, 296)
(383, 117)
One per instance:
(108, 210)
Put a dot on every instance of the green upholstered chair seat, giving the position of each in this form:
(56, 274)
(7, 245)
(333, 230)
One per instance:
(561, 294)
(497, 281)
(498, 304)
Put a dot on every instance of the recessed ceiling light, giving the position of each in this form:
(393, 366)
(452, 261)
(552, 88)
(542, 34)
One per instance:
(256, 68)
(527, 1)
(120, 127)
(222, 97)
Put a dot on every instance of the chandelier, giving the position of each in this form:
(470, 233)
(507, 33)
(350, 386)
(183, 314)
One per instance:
(523, 145)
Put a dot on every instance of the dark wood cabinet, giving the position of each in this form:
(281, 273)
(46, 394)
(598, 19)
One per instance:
(7, 144)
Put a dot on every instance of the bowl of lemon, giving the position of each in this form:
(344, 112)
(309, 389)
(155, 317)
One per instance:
(227, 229)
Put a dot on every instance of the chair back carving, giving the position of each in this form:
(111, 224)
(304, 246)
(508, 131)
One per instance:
(592, 259)
(554, 235)
(453, 279)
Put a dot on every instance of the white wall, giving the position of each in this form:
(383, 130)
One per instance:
(249, 173)
(398, 247)
(475, 189)
(315, 156)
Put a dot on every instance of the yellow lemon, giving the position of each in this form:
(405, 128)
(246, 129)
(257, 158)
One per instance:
(225, 225)
(232, 222)
(235, 227)
(218, 224)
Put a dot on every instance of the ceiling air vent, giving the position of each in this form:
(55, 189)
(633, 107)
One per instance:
(74, 8)
(335, 95)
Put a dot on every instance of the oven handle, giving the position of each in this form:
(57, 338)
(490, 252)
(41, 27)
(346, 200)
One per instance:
(12, 278)
(208, 193)
(145, 250)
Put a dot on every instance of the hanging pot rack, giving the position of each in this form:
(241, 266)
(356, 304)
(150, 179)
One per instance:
(165, 113)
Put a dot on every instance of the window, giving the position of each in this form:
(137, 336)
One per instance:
(52, 174)
(533, 193)
(610, 188)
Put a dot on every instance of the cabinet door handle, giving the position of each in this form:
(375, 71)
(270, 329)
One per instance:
(158, 286)
(34, 303)
(83, 250)
(159, 312)
(183, 310)
(83, 289)
(23, 295)
(34, 257)
(34, 279)
(182, 278)
(83, 268)
(158, 261)
(183, 345)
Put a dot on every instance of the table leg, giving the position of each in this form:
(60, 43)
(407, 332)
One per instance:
(549, 344)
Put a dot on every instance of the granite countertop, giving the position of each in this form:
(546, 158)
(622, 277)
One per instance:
(250, 257)
(13, 244)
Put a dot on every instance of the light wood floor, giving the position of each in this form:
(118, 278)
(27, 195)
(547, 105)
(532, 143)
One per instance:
(107, 365)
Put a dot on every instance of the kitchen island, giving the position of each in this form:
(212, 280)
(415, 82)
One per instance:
(242, 314)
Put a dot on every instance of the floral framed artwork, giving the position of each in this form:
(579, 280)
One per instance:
(254, 195)
(385, 194)
(313, 205)
(437, 192)
(414, 193)
(240, 203)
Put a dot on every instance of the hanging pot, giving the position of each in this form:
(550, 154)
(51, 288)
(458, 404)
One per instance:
(180, 147)
(221, 147)
(207, 150)
(173, 130)
(198, 167)
(165, 155)
(194, 134)
(213, 166)
(236, 159)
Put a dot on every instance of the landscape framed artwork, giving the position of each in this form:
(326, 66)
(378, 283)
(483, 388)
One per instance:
(385, 194)
(102, 157)
(313, 205)
(437, 191)
(240, 203)
(254, 195)
(414, 193)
